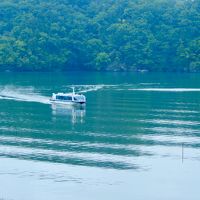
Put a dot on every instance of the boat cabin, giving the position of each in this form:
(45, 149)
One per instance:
(68, 98)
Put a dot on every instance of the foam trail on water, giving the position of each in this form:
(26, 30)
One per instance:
(167, 89)
(92, 88)
(87, 88)
(22, 94)
(149, 83)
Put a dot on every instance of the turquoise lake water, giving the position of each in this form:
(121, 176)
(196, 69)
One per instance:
(138, 137)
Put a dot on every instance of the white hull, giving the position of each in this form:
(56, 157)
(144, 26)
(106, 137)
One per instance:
(66, 102)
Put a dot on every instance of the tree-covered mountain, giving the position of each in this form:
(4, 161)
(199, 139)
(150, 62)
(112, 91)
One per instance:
(116, 35)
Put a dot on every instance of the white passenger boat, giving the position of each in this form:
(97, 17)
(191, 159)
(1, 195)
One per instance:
(68, 98)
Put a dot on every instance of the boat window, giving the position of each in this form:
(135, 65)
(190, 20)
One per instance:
(68, 98)
(65, 98)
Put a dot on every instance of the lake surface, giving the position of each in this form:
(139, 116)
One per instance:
(138, 137)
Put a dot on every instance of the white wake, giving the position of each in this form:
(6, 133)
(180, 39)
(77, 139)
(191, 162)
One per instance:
(22, 94)
(167, 89)
(88, 88)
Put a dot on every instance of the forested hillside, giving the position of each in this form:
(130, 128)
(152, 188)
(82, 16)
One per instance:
(115, 35)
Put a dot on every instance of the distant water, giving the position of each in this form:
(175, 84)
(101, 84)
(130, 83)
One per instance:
(138, 137)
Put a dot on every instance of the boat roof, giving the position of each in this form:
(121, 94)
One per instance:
(68, 94)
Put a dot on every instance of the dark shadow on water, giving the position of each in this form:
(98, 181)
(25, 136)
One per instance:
(72, 161)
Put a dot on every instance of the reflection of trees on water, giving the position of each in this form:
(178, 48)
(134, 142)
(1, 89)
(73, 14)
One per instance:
(75, 112)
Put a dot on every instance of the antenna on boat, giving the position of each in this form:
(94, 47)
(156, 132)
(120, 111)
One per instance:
(73, 90)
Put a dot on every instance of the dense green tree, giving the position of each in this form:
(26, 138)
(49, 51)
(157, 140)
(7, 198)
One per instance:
(115, 35)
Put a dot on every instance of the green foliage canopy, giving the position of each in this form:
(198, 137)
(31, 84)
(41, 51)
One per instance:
(115, 35)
